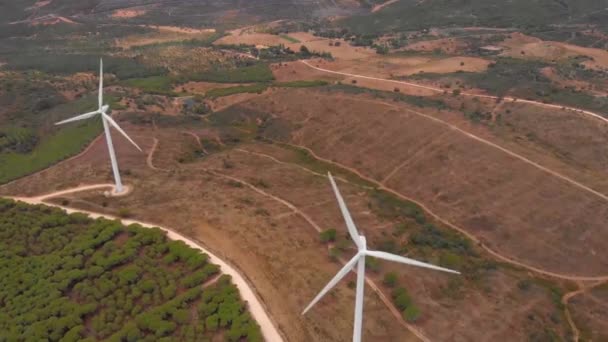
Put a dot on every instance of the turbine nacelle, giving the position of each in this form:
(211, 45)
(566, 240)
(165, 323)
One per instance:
(104, 109)
(363, 244)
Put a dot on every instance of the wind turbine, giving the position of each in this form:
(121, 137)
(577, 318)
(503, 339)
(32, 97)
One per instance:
(359, 260)
(107, 122)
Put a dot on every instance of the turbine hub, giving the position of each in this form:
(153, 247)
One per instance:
(104, 108)
(363, 242)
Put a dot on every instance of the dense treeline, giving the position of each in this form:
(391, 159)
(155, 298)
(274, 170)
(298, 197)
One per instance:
(68, 278)
(414, 15)
(56, 63)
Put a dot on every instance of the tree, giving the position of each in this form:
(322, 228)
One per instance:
(401, 298)
(411, 313)
(328, 235)
(390, 279)
(304, 51)
(212, 323)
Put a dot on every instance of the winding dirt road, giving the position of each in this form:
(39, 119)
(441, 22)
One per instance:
(438, 90)
(268, 327)
(472, 237)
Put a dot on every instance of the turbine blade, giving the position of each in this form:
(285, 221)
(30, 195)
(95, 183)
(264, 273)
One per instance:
(115, 125)
(79, 117)
(407, 261)
(100, 83)
(343, 272)
(350, 224)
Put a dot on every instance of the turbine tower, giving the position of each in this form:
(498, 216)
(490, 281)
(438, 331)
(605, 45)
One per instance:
(359, 261)
(107, 122)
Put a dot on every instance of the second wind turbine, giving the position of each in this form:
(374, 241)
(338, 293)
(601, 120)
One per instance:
(107, 122)
(358, 261)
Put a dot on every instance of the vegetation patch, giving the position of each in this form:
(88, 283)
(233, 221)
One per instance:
(159, 85)
(63, 144)
(71, 278)
(290, 38)
(219, 92)
(259, 72)
(300, 84)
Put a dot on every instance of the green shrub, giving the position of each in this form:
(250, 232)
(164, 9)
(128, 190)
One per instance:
(249, 74)
(390, 279)
(401, 298)
(411, 313)
(328, 235)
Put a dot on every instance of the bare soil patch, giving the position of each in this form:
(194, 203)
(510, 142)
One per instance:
(51, 20)
(522, 46)
(376, 8)
(128, 13)
(297, 71)
(224, 102)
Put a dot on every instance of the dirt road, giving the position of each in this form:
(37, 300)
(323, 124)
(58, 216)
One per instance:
(370, 282)
(438, 90)
(470, 236)
(256, 307)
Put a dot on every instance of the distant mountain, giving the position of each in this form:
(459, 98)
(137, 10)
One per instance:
(406, 15)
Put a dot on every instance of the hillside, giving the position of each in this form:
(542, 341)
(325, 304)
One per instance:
(407, 15)
(468, 134)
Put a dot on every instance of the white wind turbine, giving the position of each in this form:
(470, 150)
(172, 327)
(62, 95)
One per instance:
(359, 260)
(107, 122)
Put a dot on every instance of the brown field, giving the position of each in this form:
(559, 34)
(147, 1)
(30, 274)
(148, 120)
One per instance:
(446, 45)
(223, 102)
(377, 8)
(51, 20)
(513, 207)
(201, 88)
(590, 312)
(395, 66)
(128, 13)
(297, 71)
(561, 135)
(522, 46)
